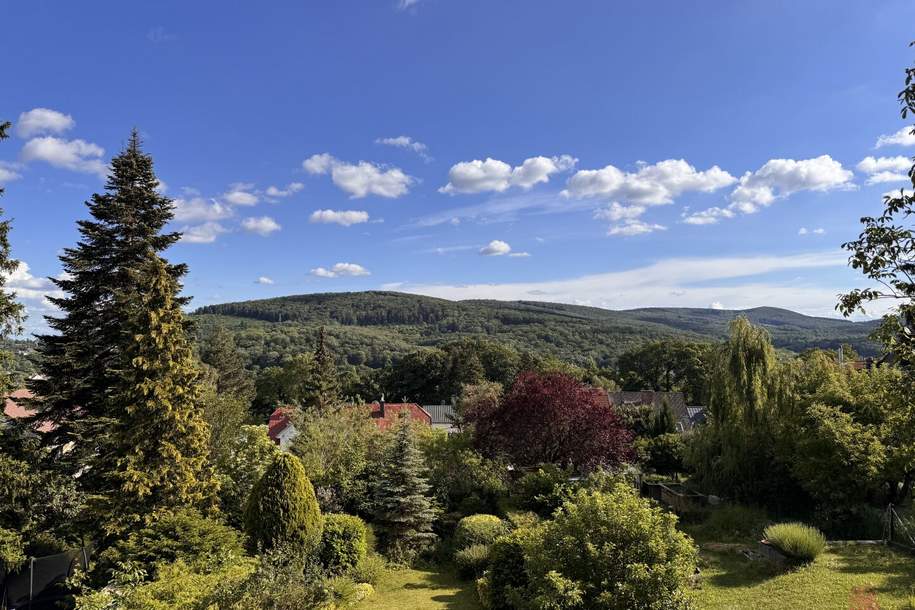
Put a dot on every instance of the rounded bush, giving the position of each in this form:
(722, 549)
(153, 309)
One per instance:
(607, 550)
(11, 551)
(473, 560)
(343, 543)
(796, 540)
(478, 529)
(283, 509)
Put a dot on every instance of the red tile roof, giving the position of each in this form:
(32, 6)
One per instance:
(14, 410)
(387, 417)
(280, 419)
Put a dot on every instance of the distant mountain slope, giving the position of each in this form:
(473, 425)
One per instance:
(370, 328)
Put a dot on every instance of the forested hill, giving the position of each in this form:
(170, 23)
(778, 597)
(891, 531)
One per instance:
(371, 328)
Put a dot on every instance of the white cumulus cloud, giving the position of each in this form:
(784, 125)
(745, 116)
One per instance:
(205, 233)
(496, 247)
(634, 227)
(43, 120)
(656, 184)
(75, 155)
(262, 225)
(778, 179)
(616, 212)
(291, 189)
(198, 209)
(493, 175)
(408, 143)
(885, 169)
(806, 231)
(264, 281)
(241, 193)
(8, 172)
(360, 179)
(340, 270)
(903, 137)
(345, 218)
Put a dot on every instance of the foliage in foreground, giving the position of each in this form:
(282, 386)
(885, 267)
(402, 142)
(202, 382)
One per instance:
(796, 540)
(283, 510)
(603, 550)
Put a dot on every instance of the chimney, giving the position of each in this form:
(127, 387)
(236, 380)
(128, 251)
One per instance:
(381, 405)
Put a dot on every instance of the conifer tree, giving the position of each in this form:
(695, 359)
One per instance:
(159, 448)
(232, 379)
(325, 384)
(282, 510)
(82, 362)
(11, 312)
(404, 508)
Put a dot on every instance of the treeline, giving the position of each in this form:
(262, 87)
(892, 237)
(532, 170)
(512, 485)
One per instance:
(374, 329)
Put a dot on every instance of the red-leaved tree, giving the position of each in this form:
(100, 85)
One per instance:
(552, 418)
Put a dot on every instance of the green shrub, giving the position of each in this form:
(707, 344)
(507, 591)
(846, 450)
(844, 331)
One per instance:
(662, 454)
(177, 585)
(484, 593)
(733, 522)
(11, 552)
(472, 561)
(283, 509)
(506, 576)
(518, 519)
(796, 540)
(543, 490)
(478, 529)
(607, 551)
(343, 543)
(370, 569)
(188, 536)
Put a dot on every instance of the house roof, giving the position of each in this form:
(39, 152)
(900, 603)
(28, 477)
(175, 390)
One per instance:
(13, 408)
(388, 415)
(280, 419)
(675, 400)
(601, 395)
(440, 414)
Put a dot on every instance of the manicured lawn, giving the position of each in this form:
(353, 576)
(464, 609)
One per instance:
(422, 590)
(847, 577)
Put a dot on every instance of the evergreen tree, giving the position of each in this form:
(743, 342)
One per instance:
(283, 510)
(11, 312)
(232, 379)
(325, 384)
(80, 362)
(662, 422)
(159, 445)
(404, 508)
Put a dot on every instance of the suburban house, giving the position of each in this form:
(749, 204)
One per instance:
(280, 428)
(282, 431)
(686, 417)
(442, 417)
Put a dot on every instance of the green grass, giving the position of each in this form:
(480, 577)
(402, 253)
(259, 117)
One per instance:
(422, 590)
(842, 577)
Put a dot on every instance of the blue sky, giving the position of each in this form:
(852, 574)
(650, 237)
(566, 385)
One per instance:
(614, 154)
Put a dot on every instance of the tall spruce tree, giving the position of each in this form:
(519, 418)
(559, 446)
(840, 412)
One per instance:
(11, 312)
(325, 383)
(159, 458)
(232, 379)
(82, 363)
(404, 508)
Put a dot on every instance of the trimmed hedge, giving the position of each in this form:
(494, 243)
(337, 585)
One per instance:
(283, 509)
(478, 529)
(343, 543)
